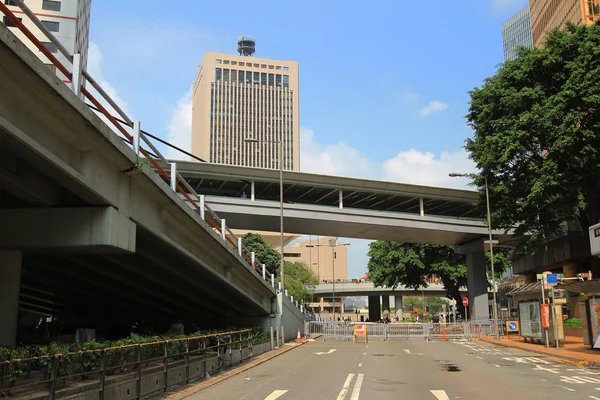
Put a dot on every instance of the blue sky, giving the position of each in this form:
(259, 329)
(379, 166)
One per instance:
(383, 84)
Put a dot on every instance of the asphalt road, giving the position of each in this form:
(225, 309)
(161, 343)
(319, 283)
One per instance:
(408, 369)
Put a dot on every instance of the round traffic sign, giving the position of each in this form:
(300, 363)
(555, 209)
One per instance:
(465, 301)
(512, 326)
(359, 330)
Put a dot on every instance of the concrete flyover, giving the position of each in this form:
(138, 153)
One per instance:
(85, 241)
(345, 289)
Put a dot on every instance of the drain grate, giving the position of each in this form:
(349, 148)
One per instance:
(382, 355)
(451, 368)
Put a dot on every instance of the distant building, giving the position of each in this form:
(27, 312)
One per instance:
(242, 106)
(67, 20)
(549, 14)
(516, 32)
(319, 257)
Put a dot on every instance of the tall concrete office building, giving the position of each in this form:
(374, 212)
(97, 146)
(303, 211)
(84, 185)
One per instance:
(549, 14)
(318, 254)
(516, 32)
(67, 20)
(243, 106)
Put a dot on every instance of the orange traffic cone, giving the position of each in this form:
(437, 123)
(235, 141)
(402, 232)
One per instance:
(298, 338)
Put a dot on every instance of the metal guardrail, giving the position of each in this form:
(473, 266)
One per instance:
(385, 332)
(131, 133)
(167, 362)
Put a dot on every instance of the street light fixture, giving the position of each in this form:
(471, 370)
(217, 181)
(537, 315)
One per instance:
(491, 243)
(333, 268)
(281, 262)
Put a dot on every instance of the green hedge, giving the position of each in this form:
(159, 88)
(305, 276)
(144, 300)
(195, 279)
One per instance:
(572, 323)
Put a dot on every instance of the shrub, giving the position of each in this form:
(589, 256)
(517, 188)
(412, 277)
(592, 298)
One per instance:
(572, 323)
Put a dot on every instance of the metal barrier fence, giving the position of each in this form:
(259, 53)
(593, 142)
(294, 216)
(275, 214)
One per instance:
(477, 329)
(138, 369)
(402, 330)
(129, 130)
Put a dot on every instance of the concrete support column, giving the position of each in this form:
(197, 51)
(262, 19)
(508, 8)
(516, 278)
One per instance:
(252, 188)
(374, 309)
(341, 299)
(385, 301)
(10, 282)
(477, 285)
(399, 306)
(322, 305)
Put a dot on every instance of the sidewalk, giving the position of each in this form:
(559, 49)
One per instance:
(571, 349)
(182, 392)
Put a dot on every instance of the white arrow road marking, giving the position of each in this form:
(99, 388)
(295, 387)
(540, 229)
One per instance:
(276, 394)
(440, 394)
(408, 352)
(360, 364)
(594, 397)
(329, 352)
(345, 388)
(357, 386)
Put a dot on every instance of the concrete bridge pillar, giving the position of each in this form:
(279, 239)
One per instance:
(385, 301)
(10, 282)
(374, 309)
(399, 306)
(477, 285)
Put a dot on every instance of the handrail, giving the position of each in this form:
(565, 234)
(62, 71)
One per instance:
(189, 195)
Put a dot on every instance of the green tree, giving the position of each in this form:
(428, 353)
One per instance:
(411, 264)
(536, 136)
(264, 253)
(299, 280)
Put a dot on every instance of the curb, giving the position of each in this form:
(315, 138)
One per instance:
(570, 359)
(198, 387)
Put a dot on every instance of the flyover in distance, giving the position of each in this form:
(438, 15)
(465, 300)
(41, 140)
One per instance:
(248, 198)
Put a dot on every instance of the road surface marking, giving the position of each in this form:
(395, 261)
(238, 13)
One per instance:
(440, 394)
(544, 380)
(360, 364)
(357, 386)
(481, 358)
(364, 354)
(329, 352)
(408, 352)
(566, 388)
(344, 390)
(594, 397)
(496, 365)
(276, 394)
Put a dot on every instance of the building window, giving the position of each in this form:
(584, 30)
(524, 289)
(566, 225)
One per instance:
(10, 3)
(271, 79)
(50, 46)
(226, 75)
(263, 78)
(241, 77)
(286, 81)
(233, 76)
(248, 77)
(8, 22)
(256, 78)
(218, 74)
(291, 255)
(278, 80)
(217, 61)
(51, 5)
(52, 26)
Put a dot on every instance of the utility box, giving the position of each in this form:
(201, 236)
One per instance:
(595, 240)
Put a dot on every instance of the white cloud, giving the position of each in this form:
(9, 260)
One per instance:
(504, 5)
(179, 128)
(433, 107)
(94, 68)
(413, 166)
(409, 166)
(336, 159)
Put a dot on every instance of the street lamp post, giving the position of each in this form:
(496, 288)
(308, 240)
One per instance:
(281, 262)
(489, 224)
(333, 269)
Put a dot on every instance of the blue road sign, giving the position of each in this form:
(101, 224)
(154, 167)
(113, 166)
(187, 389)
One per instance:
(551, 278)
(512, 326)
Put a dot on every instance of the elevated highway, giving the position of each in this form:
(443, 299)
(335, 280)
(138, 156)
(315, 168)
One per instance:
(347, 289)
(89, 235)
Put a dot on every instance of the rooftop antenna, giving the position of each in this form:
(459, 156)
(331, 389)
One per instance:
(246, 45)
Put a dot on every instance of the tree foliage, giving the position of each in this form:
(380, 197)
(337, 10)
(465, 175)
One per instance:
(264, 253)
(411, 265)
(536, 136)
(299, 280)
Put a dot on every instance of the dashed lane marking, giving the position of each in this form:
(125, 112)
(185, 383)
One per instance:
(276, 394)
(440, 394)
(566, 388)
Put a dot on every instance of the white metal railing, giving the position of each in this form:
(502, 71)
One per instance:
(131, 133)
(385, 332)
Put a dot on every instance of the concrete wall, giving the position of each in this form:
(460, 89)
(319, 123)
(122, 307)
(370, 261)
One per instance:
(291, 318)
